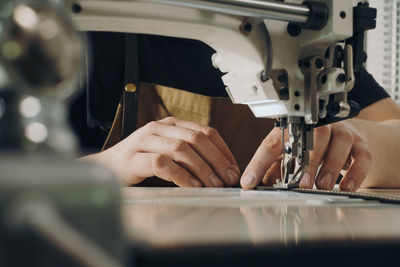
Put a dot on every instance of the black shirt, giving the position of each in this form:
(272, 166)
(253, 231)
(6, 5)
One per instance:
(174, 62)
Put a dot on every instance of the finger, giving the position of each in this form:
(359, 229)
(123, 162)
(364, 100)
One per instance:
(322, 135)
(211, 133)
(359, 168)
(273, 173)
(154, 164)
(267, 153)
(203, 146)
(182, 153)
(337, 153)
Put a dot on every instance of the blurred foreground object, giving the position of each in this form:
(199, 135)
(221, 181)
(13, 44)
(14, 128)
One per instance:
(40, 55)
(54, 211)
(58, 213)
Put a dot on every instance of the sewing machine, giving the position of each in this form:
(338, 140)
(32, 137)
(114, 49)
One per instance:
(285, 60)
(55, 198)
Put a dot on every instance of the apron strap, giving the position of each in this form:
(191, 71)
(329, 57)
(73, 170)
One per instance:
(130, 92)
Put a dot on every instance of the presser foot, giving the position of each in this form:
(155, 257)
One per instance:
(295, 152)
(294, 181)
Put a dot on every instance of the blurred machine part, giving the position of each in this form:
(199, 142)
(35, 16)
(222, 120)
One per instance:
(54, 210)
(40, 58)
(58, 213)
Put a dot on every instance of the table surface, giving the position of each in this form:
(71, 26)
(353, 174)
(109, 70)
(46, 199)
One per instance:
(179, 217)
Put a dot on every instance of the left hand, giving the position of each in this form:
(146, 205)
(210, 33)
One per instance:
(339, 146)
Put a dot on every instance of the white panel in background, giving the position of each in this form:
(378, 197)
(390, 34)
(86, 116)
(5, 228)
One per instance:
(382, 46)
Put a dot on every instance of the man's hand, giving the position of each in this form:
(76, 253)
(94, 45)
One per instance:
(186, 153)
(339, 146)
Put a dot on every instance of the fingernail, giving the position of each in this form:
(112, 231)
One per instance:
(249, 181)
(233, 176)
(326, 181)
(266, 179)
(195, 182)
(305, 181)
(350, 185)
(215, 181)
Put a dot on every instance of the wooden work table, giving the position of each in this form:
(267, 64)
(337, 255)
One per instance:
(172, 219)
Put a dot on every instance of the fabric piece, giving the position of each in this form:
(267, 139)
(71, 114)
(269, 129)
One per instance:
(367, 196)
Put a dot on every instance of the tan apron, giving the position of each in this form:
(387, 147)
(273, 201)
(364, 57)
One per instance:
(236, 124)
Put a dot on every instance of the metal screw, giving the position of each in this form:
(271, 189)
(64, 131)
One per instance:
(341, 78)
(76, 8)
(247, 27)
(294, 29)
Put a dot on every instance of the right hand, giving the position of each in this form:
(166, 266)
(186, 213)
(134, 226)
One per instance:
(186, 153)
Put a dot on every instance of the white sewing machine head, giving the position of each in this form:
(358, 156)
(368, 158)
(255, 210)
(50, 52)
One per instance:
(299, 72)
